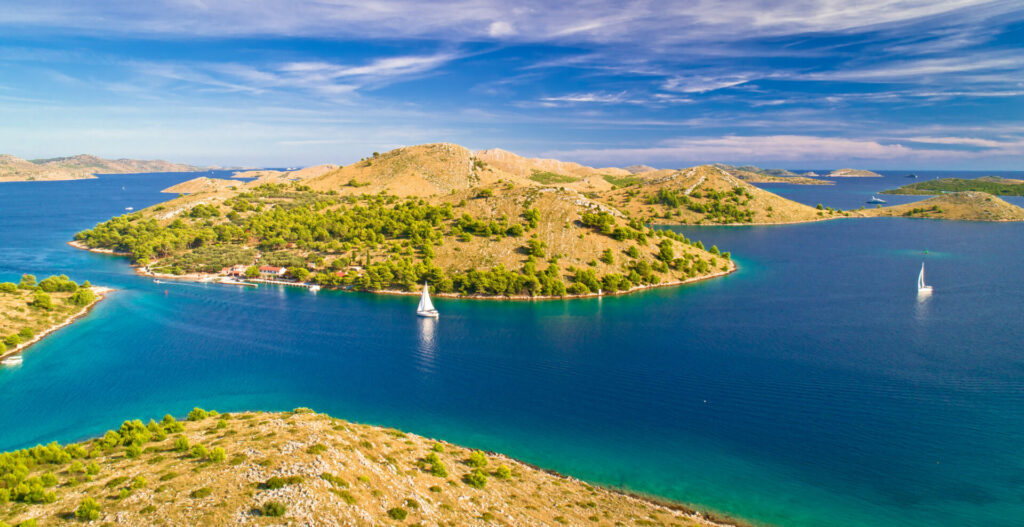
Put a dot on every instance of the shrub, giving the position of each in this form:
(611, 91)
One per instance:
(476, 479)
(477, 459)
(201, 493)
(503, 472)
(274, 509)
(316, 449)
(88, 510)
(26, 333)
(438, 447)
(181, 444)
(217, 454)
(139, 482)
(133, 451)
(397, 513)
(92, 469)
(199, 452)
(198, 414)
(8, 287)
(279, 482)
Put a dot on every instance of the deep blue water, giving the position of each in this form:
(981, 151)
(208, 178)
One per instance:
(809, 388)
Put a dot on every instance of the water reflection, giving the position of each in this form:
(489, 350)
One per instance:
(921, 309)
(427, 348)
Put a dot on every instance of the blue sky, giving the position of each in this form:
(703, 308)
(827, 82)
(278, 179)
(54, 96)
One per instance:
(801, 84)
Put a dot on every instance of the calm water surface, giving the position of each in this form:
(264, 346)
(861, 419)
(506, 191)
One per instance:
(809, 388)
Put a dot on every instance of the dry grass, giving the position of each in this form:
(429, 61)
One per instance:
(330, 472)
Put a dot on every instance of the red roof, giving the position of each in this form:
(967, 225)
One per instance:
(271, 268)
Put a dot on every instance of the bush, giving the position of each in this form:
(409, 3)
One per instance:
(201, 493)
(274, 509)
(477, 459)
(397, 513)
(26, 333)
(503, 472)
(476, 479)
(88, 510)
(199, 452)
(82, 297)
(181, 444)
(41, 300)
(8, 287)
(198, 414)
(279, 482)
(217, 455)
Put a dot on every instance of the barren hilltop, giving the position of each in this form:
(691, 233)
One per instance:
(966, 206)
(83, 166)
(299, 468)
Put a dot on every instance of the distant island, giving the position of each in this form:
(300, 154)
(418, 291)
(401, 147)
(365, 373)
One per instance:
(992, 185)
(852, 172)
(30, 310)
(14, 168)
(300, 468)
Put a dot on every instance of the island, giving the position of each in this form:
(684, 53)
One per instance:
(300, 468)
(990, 184)
(83, 166)
(963, 206)
(30, 310)
(852, 172)
(483, 225)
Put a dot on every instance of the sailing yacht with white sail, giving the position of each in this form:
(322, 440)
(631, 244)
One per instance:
(426, 307)
(922, 288)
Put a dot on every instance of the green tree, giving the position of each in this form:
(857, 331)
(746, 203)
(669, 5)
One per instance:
(252, 272)
(477, 459)
(607, 257)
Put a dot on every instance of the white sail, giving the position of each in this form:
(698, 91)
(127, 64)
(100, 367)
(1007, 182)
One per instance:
(922, 288)
(426, 306)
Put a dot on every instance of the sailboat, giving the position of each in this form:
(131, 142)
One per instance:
(426, 307)
(922, 289)
(874, 200)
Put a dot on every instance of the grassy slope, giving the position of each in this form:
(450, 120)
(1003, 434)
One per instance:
(765, 206)
(969, 206)
(372, 471)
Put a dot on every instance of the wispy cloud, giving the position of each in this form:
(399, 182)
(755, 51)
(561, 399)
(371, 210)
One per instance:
(756, 148)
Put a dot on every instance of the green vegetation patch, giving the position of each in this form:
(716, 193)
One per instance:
(622, 181)
(551, 178)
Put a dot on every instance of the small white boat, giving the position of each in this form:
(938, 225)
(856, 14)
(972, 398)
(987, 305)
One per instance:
(129, 209)
(314, 288)
(13, 360)
(922, 288)
(875, 200)
(157, 281)
(426, 307)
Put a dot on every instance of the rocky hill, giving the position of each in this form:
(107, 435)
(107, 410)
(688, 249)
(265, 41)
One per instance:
(14, 168)
(298, 468)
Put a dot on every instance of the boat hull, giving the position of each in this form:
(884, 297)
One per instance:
(428, 314)
(927, 290)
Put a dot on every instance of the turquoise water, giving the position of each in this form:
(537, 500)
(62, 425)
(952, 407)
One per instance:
(809, 388)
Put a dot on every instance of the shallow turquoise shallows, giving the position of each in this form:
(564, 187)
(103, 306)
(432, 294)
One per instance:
(810, 388)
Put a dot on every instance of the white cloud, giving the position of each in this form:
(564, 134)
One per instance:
(500, 29)
(730, 148)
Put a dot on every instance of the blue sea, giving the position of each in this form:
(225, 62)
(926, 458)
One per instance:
(810, 388)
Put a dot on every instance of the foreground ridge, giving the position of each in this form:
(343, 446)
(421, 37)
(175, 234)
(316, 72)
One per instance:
(302, 468)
